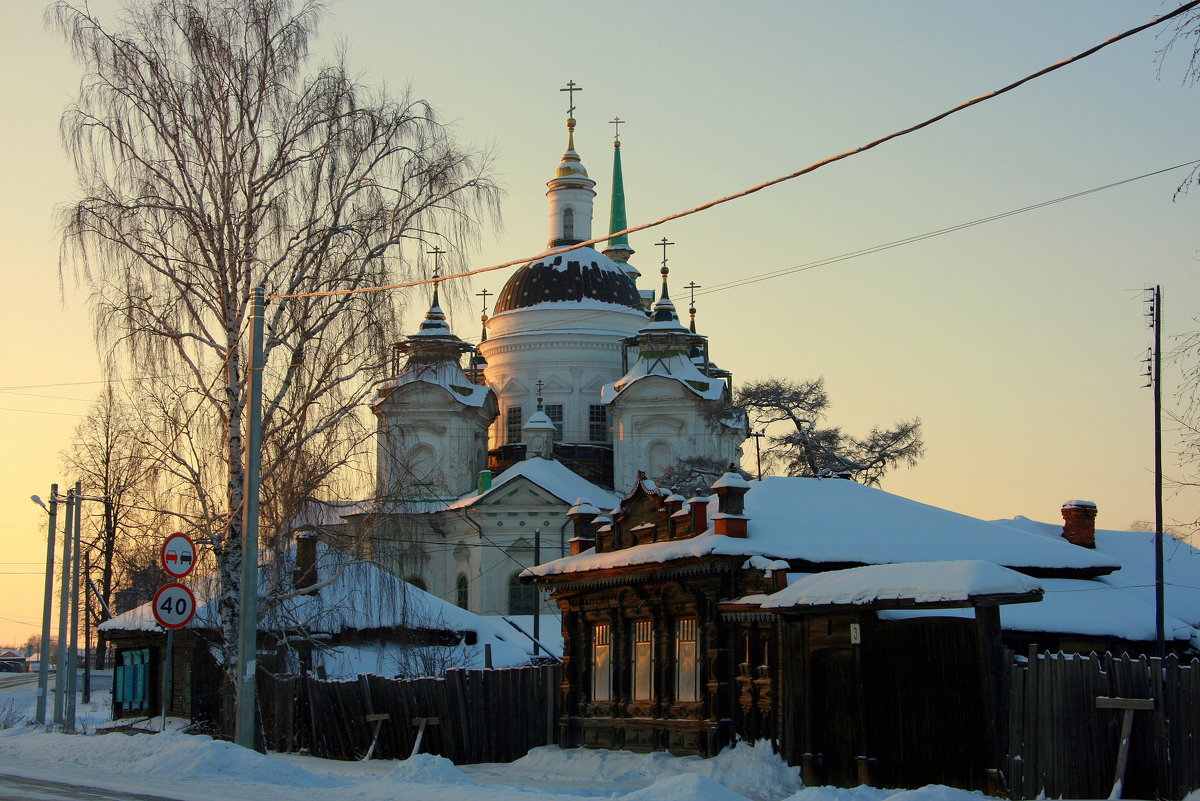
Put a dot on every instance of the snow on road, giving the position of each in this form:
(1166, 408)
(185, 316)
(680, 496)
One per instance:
(197, 768)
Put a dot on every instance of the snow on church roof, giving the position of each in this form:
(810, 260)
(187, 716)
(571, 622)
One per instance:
(676, 367)
(843, 522)
(552, 476)
(447, 375)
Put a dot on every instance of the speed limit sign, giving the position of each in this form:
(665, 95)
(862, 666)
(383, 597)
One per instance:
(174, 606)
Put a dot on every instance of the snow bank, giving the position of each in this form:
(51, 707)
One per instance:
(685, 787)
(427, 769)
(752, 771)
(932, 792)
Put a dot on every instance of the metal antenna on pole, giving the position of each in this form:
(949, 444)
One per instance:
(247, 663)
(47, 610)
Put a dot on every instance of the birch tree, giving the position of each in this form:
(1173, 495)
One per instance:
(212, 159)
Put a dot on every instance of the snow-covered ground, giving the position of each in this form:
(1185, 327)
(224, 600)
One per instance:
(197, 768)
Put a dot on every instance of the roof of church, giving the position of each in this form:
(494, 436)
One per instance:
(552, 476)
(583, 275)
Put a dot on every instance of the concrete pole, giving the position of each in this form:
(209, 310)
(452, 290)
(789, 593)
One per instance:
(47, 610)
(73, 647)
(248, 608)
(64, 613)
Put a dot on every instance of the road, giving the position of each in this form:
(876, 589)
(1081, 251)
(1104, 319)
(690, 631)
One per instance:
(13, 788)
(11, 681)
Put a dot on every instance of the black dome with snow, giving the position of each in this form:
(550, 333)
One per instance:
(577, 275)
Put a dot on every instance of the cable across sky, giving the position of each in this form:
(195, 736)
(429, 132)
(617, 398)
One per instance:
(789, 176)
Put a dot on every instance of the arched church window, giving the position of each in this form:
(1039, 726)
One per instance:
(568, 223)
(522, 598)
(460, 591)
(659, 458)
(418, 582)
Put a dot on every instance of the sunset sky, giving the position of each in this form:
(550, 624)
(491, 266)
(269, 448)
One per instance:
(1016, 341)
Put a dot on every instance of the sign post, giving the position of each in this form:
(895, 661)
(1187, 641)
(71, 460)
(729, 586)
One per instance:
(174, 605)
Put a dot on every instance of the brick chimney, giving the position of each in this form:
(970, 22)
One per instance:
(583, 515)
(698, 508)
(1079, 523)
(305, 574)
(731, 491)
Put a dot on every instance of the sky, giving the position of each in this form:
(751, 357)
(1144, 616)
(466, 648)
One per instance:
(1018, 342)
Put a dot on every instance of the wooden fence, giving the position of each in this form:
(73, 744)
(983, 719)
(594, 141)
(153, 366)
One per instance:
(1060, 745)
(483, 715)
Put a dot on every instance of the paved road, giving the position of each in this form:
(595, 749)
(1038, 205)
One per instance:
(11, 681)
(13, 788)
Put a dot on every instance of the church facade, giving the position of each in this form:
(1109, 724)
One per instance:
(580, 381)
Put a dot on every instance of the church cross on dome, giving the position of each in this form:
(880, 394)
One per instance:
(437, 270)
(617, 122)
(571, 88)
(664, 244)
(484, 294)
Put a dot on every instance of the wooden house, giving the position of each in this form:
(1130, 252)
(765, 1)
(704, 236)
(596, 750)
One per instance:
(860, 632)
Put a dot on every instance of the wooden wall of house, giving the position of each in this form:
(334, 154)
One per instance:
(908, 697)
(667, 723)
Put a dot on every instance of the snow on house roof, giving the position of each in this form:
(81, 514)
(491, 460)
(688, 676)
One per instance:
(843, 522)
(1134, 550)
(1088, 608)
(921, 583)
(552, 476)
(353, 595)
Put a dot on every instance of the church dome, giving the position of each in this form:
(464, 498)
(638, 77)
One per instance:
(581, 276)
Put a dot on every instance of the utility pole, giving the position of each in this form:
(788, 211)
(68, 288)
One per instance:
(1159, 598)
(758, 435)
(248, 608)
(64, 612)
(87, 629)
(73, 648)
(47, 610)
(537, 596)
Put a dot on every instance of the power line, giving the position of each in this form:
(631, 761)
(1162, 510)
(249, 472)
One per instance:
(796, 174)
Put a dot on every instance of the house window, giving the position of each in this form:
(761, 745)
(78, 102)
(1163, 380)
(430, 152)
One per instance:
(687, 663)
(643, 660)
(512, 425)
(460, 591)
(601, 662)
(568, 223)
(522, 598)
(598, 423)
(555, 412)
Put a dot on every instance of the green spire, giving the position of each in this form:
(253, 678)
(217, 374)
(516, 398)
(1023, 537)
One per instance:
(617, 219)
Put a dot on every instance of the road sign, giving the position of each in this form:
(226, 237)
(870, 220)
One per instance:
(178, 555)
(174, 606)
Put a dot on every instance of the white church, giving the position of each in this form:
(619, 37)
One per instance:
(581, 381)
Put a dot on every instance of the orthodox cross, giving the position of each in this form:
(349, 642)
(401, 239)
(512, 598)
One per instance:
(484, 294)
(437, 260)
(540, 384)
(571, 89)
(617, 122)
(664, 244)
(692, 287)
